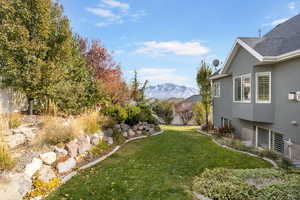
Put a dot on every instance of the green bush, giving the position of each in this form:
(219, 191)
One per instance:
(133, 113)
(248, 184)
(118, 137)
(118, 113)
(164, 110)
(146, 114)
(100, 148)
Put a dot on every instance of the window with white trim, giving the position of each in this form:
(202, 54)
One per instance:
(216, 89)
(242, 88)
(263, 87)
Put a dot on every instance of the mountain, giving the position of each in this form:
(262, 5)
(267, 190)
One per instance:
(170, 90)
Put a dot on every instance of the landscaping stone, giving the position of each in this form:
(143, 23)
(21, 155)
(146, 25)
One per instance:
(15, 140)
(139, 132)
(131, 133)
(109, 132)
(72, 148)
(125, 127)
(95, 139)
(100, 133)
(84, 144)
(117, 126)
(125, 134)
(48, 158)
(109, 140)
(14, 186)
(60, 153)
(26, 131)
(33, 167)
(46, 173)
(66, 166)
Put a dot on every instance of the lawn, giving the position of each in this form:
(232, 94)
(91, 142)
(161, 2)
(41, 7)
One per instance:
(160, 167)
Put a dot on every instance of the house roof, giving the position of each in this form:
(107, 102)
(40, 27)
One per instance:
(282, 39)
(280, 44)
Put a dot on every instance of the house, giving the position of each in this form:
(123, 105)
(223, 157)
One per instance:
(258, 90)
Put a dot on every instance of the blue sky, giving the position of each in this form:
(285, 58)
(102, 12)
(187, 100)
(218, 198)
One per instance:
(165, 40)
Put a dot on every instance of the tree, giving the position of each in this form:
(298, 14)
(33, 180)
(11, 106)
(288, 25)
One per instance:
(137, 92)
(204, 85)
(105, 70)
(199, 113)
(35, 41)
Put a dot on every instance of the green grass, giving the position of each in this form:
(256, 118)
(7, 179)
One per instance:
(160, 167)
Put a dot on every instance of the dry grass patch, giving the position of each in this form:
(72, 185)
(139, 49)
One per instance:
(7, 162)
(91, 121)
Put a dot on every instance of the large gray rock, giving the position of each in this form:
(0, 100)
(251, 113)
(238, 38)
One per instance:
(14, 186)
(66, 166)
(109, 132)
(33, 167)
(84, 144)
(15, 140)
(72, 148)
(46, 174)
(48, 158)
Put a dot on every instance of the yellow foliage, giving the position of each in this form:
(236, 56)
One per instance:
(14, 120)
(90, 121)
(41, 188)
(7, 162)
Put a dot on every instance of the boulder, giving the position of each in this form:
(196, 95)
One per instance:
(95, 139)
(135, 128)
(60, 153)
(139, 132)
(117, 126)
(48, 158)
(100, 134)
(72, 148)
(26, 131)
(46, 174)
(15, 140)
(33, 167)
(14, 186)
(125, 127)
(108, 132)
(84, 144)
(131, 133)
(125, 134)
(66, 166)
(109, 140)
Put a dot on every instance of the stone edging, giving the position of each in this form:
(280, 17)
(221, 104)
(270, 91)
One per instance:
(69, 176)
(244, 152)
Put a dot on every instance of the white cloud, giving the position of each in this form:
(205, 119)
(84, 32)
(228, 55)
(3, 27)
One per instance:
(192, 48)
(292, 5)
(276, 22)
(161, 75)
(116, 4)
(115, 12)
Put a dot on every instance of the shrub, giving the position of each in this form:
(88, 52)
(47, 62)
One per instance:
(207, 127)
(7, 162)
(100, 148)
(252, 184)
(4, 126)
(118, 113)
(268, 154)
(55, 131)
(285, 163)
(14, 120)
(146, 114)
(118, 137)
(41, 188)
(133, 113)
(225, 131)
(164, 110)
(199, 113)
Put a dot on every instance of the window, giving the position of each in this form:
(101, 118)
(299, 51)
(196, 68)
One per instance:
(216, 89)
(225, 122)
(242, 88)
(263, 87)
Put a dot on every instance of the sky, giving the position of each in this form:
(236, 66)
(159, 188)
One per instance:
(165, 40)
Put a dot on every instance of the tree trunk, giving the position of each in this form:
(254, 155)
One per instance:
(30, 106)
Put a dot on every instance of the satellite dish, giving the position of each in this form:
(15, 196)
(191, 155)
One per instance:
(216, 63)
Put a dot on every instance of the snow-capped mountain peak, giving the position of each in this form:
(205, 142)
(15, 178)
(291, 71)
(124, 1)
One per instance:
(170, 90)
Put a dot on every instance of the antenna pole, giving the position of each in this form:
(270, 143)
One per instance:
(259, 33)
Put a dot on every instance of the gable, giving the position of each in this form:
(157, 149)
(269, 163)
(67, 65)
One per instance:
(242, 62)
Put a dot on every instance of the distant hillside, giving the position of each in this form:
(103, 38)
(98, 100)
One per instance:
(169, 90)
